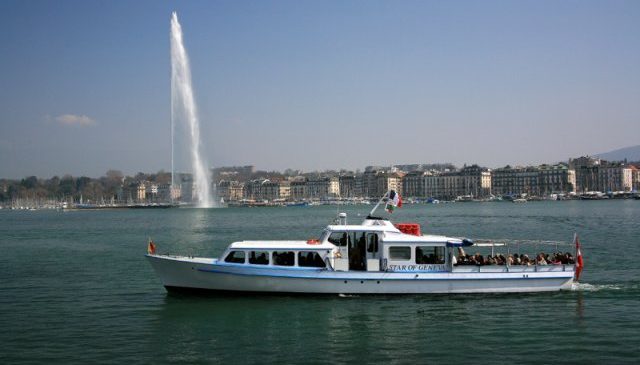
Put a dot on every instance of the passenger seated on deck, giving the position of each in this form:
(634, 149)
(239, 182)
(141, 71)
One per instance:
(570, 259)
(540, 260)
(462, 257)
(510, 260)
(566, 258)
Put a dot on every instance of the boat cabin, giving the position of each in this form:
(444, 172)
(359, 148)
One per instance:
(375, 245)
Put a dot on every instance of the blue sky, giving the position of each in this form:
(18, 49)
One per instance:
(85, 85)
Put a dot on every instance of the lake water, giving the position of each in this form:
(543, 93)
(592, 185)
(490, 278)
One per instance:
(75, 288)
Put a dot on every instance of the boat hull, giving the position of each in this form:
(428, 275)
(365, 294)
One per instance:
(198, 274)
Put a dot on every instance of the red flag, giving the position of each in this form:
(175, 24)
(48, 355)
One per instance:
(579, 260)
(151, 248)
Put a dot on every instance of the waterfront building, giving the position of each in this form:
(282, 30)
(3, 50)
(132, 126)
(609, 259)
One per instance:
(413, 184)
(322, 188)
(298, 188)
(141, 192)
(358, 190)
(347, 186)
(186, 185)
(230, 190)
(163, 193)
(540, 180)
(558, 178)
(615, 177)
(369, 182)
(516, 181)
(260, 189)
(593, 174)
(587, 171)
(151, 192)
(470, 181)
(269, 190)
(635, 178)
(284, 189)
(386, 181)
(252, 189)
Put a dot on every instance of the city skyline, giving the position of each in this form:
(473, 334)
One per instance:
(318, 86)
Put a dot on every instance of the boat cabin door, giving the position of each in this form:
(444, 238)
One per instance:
(357, 251)
(373, 251)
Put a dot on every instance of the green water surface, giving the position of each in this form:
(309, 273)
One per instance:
(75, 288)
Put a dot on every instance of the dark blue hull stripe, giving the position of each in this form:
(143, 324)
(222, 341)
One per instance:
(377, 278)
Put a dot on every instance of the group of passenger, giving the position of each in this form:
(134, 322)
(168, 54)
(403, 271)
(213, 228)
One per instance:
(311, 259)
(261, 259)
(557, 258)
(286, 258)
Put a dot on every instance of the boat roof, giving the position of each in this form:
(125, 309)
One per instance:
(361, 227)
(280, 245)
(392, 237)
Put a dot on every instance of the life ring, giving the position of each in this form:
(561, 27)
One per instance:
(313, 242)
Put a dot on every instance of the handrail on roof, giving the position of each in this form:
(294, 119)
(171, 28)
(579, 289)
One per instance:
(507, 241)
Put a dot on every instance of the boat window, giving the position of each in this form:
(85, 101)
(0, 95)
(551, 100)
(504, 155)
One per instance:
(400, 253)
(338, 238)
(372, 242)
(235, 257)
(259, 258)
(310, 259)
(283, 258)
(429, 255)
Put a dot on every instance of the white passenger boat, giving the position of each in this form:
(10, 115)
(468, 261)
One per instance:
(374, 257)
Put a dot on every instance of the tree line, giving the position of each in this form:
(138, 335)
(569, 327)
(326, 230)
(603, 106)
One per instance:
(70, 187)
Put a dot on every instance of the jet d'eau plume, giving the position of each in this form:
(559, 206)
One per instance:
(184, 110)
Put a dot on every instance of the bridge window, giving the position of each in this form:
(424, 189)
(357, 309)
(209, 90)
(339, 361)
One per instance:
(402, 253)
(259, 258)
(338, 238)
(236, 257)
(429, 255)
(283, 258)
(310, 259)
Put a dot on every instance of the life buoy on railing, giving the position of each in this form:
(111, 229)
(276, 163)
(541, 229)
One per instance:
(313, 242)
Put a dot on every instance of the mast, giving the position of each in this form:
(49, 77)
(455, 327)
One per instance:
(386, 195)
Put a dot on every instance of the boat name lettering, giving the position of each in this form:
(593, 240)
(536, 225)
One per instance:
(432, 267)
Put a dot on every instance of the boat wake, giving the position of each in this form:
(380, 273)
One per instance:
(591, 287)
(348, 296)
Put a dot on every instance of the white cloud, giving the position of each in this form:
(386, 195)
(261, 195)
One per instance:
(75, 120)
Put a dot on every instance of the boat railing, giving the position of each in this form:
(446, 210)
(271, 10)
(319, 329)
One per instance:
(509, 247)
(513, 268)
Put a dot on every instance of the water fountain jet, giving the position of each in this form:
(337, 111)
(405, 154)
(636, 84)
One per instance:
(183, 109)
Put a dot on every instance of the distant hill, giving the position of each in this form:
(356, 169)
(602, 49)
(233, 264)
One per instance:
(630, 153)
